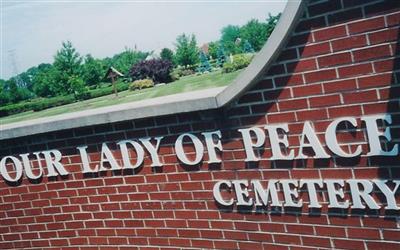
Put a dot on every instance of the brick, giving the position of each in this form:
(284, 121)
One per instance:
(310, 23)
(345, 16)
(381, 7)
(249, 98)
(349, 43)
(383, 245)
(302, 65)
(335, 59)
(363, 233)
(392, 235)
(315, 49)
(383, 36)
(330, 231)
(360, 97)
(344, 111)
(385, 65)
(316, 241)
(315, 114)
(288, 54)
(348, 244)
(371, 53)
(281, 117)
(288, 80)
(393, 19)
(375, 81)
(366, 25)
(300, 229)
(324, 101)
(300, 39)
(330, 33)
(321, 75)
(307, 90)
(355, 70)
(339, 86)
(293, 104)
(323, 8)
(287, 239)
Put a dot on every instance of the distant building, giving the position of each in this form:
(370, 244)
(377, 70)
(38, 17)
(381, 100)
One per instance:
(205, 48)
(155, 54)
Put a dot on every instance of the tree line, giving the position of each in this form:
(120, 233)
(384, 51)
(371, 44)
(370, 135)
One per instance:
(72, 74)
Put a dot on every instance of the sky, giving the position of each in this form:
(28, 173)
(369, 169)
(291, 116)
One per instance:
(32, 31)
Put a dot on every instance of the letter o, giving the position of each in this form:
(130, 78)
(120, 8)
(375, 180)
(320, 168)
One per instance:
(4, 171)
(199, 148)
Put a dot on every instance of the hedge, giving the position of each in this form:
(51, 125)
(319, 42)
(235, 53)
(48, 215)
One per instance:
(45, 103)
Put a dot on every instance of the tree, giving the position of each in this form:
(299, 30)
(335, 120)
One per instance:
(4, 95)
(221, 56)
(167, 54)
(271, 23)
(247, 48)
(78, 87)
(67, 63)
(255, 33)
(124, 60)
(68, 60)
(11, 92)
(93, 71)
(204, 63)
(213, 49)
(187, 52)
(229, 36)
(45, 83)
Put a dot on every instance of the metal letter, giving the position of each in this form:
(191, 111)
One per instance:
(107, 156)
(28, 168)
(374, 135)
(53, 164)
(125, 154)
(248, 141)
(357, 194)
(217, 193)
(17, 166)
(289, 193)
(264, 194)
(389, 194)
(181, 153)
(211, 145)
(331, 138)
(333, 193)
(312, 192)
(276, 142)
(153, 150)
(242, 193)
(313, 142)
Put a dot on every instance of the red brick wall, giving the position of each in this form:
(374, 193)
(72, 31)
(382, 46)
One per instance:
(342, 60)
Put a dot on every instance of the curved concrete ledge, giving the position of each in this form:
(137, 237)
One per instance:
(178, 103)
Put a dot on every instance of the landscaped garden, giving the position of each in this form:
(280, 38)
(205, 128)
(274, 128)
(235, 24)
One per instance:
(76, 83)
(185, 84)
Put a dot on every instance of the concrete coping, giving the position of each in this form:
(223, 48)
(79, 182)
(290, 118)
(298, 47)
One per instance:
(178, 103)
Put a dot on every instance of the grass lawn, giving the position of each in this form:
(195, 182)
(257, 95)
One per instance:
(185, 84)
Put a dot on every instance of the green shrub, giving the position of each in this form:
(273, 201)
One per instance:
(141, 84)
(181, 71)
(45, 103)
(240, 61)
(36, 105)
(53, 102)
(174, 77)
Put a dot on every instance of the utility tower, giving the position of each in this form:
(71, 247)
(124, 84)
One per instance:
(13, 64)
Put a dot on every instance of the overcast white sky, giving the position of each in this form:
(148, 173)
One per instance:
(33, 30)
